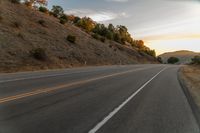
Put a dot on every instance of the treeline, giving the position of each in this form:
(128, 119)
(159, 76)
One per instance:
(99, 31)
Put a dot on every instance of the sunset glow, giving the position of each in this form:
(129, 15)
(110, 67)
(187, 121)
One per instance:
(165, 25)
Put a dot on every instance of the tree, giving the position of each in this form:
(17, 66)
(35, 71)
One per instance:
(43, 9)
(57, 11)
(173, 60)
(33, 3)
(196, 60)
(159, 59)
(86, 23)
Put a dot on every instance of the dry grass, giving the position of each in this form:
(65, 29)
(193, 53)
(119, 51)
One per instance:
(191, 75)
(22, 30)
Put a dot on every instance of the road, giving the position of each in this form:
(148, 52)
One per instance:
(108, 99)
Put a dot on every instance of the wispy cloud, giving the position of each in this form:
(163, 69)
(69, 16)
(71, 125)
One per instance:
(98, 16)
(117, 0)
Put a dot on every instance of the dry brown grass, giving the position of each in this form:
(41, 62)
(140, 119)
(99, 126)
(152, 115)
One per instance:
(21, 32)
(191, 76)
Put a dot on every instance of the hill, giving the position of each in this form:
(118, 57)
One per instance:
(183, 55)
(27, 34)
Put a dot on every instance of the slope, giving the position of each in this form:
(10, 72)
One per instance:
(23, 30)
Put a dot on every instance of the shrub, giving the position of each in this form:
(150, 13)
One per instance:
(159, 59)
(43, 9)
(62, 21)
(71, 38)
(172, 60)
(102, 39)
(39, 54)
(57, 11)
(28, 4)
(42, 22)
(196, 60)
(20, 35)
(1, 18)
(15, 1)
(95, 36)
(16, 24)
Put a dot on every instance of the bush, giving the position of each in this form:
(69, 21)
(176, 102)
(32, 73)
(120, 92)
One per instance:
(173, 60)
(39, 54)
(42, 22)
(196, 60)
(57, 11)
(20, 35)
(102, 39)
(28, 4)
(15, 1)
(63, 21)
(159, 59)
(1, 18)
(43, 9)
(16, 24)
(71, 38)
(95, 36)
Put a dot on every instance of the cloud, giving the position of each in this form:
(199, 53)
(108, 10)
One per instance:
(98, 16)
(117, 0)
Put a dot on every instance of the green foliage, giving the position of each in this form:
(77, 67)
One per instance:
(159, 59)
(57, 11)
(196, 60)
(63, 19)
(86, 23)
(42, 22)
(76, 20)
(43, 9)
(15, 1)
(98, 37)
(39, 54)
(101, 32)
(71, 38)
(173, 60)
(95, 36)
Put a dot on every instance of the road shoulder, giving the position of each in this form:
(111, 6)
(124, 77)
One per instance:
(189, 78)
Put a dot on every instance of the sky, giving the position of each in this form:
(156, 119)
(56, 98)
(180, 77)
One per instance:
(164, 25)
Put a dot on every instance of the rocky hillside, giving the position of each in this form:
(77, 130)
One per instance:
(31, 40)
(183, 55)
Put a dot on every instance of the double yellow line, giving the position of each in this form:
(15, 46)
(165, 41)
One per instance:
(51, 89)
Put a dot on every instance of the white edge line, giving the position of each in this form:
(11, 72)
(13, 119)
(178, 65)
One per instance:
(111, 114)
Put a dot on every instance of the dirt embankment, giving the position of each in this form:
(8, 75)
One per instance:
(191, 76)
(22, 30)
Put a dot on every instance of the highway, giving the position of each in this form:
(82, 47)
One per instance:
(107, 99)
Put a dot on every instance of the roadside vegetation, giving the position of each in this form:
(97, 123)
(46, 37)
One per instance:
(190, 74)
(173, 60)
(196, 60)
(42, 38)
(98, 31)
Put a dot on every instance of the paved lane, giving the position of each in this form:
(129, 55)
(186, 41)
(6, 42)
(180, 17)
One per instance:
(160, 106)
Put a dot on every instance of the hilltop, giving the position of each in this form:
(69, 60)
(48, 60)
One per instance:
(25, 32)
(184, 56)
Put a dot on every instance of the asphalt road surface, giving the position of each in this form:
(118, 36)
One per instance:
(109, 99)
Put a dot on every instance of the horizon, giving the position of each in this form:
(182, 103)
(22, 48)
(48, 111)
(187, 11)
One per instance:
(167, 31)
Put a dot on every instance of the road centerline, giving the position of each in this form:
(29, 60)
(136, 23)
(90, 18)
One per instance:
(116, 110)
(51, 89)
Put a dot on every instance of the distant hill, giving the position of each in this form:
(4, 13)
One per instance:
(24, 31)
(183, 55)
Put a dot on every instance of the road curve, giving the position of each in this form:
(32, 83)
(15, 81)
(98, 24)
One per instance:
(109, 99)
